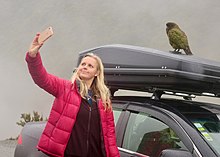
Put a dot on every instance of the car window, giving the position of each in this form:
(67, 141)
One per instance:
(206, 118)
(210, 129)
(116, 113)
(148, 135)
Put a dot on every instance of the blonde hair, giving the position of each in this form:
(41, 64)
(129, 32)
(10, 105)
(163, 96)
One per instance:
(100, 90)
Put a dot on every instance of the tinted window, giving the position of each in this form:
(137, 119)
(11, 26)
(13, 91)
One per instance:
(148, 135)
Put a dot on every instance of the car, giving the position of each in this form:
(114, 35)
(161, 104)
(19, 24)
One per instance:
(156, 105)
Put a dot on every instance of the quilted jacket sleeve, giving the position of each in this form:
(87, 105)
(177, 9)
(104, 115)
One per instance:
(113, 149)
(46, 81)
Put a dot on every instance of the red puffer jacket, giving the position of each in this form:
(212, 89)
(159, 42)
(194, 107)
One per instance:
(64, 111)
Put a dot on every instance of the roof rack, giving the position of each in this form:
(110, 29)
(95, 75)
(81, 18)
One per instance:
(145, 69)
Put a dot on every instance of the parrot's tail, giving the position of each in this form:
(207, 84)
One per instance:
(188, 51)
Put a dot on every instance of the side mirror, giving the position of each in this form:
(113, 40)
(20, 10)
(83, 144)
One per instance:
(175, 153)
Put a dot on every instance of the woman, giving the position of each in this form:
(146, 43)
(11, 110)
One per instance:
(81, 121)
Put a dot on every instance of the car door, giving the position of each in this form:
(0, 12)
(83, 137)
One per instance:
(143, 130)
(119, 116)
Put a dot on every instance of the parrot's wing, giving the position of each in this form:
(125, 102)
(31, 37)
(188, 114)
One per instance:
(178, 38)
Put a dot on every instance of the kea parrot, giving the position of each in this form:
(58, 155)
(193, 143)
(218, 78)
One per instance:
(177, 38)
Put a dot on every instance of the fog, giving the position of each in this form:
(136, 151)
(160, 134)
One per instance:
(80, 25)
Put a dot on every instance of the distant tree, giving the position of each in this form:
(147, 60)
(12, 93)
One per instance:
(27, 117)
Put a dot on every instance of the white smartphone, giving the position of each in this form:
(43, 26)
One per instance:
(47, 33)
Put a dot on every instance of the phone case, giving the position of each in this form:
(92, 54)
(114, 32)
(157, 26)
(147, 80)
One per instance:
(47, 33)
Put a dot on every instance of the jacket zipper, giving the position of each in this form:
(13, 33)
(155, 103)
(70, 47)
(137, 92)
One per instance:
(87, 141)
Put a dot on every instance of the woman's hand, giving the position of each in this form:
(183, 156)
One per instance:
(35, 46)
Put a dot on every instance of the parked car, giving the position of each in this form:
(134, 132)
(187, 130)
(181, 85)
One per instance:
(165, 120)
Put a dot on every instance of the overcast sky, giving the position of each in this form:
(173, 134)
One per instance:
(80, 25)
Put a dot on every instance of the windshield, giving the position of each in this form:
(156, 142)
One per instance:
(208, 124)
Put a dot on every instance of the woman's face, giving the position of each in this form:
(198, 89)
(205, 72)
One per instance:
(87, 69)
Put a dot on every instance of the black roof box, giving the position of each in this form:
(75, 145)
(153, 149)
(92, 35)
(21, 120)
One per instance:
(145, 69)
